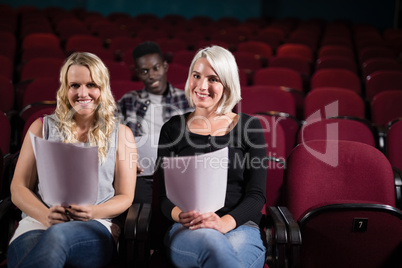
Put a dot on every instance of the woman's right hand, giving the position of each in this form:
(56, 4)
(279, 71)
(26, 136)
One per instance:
(185, 218)
(57, 214)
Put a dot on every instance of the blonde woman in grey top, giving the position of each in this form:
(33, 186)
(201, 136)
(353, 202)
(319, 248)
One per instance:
(78, 235)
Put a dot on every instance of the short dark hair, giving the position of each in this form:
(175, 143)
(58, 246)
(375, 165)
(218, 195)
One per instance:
(146, 48)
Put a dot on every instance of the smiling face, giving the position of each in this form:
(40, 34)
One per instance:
(205, 86)
(151, 69)
(83, 94)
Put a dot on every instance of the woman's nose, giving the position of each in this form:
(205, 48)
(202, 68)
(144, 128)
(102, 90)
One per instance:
(204, 84)
(82, 91)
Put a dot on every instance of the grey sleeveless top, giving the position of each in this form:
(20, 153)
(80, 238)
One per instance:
(105, 169)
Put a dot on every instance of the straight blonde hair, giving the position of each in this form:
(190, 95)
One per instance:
(224, 64)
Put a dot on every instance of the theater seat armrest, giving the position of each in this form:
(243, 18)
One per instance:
(130, 226)
(7, 225)
(398, 188)
(294, 237)
(277, 238)
(143, 239)
(5, 206)
(144, 219)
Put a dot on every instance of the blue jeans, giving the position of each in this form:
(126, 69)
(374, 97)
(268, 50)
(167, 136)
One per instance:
(74, 243)
(241, 247)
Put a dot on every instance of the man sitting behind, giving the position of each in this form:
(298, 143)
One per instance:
(146, 110)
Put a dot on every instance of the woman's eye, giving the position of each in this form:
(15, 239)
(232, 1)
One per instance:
(91, 85)
(196, 76)
(75, 86)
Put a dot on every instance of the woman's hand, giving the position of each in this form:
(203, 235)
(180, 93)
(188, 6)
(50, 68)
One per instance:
(57, 214)
(80, 213)
(195, 220)
(185, 218)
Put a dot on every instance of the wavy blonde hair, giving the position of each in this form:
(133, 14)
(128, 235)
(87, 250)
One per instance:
(104, 122)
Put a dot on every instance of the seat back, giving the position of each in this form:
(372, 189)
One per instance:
(277, 76)
(41, 40)
(271, 36)
(121, 87)
(41, 89)
(349, 103)
(41, 112)
(382, 80)
(6, 94)
(30, 53)
(177, 74)
(247, 61)
(41, 67)
(170, 46)
(338, 39)
(263, 98)
(336, 50)
(183, 57)
(118, 70)
(378, 64)
(394, 144)
(274, 102)
(275, 140)
(261, 50)
(332, 237)
(298, 64)
(7, 67)
(8, 45)
(336, 62)
(190, 38)
(375, 52)
(298, 50)
(69, 27)
(306, 37)
(120, 44)
(336, 78)
(320, 171)
(342, 195)
(386, 107)
(344, 128)
(83, 42)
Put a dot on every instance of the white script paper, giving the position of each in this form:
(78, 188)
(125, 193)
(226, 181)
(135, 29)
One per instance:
(147, 149)
(197, 182)
(67, 173)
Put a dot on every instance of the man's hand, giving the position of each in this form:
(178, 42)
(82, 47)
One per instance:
(139, 169)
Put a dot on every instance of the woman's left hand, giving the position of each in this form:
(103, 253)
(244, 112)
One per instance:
(80, 213)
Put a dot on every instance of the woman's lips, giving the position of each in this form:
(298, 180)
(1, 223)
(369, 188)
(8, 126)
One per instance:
(201, 95)
(84, 101)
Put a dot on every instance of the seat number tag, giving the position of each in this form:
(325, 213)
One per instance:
(360, 225)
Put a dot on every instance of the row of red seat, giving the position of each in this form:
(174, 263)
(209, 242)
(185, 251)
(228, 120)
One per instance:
(290, 67)
(347, 36)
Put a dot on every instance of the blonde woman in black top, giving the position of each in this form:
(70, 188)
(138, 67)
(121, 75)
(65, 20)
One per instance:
(229, 237)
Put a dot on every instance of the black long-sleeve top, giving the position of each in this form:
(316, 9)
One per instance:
(245, 193)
